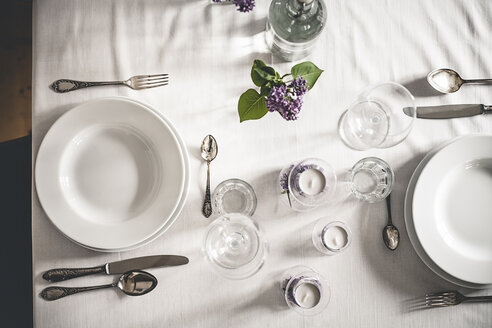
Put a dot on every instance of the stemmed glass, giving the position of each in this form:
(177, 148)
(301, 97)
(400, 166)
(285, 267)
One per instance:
(376, 119)
(235, 246)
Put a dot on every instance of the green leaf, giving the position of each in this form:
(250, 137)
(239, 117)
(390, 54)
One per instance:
(265, 89)
(251, 106)
(308, 71)
(261, 73)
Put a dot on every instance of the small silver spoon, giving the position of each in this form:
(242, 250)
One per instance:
(391, 235)
(209, 152)
(446, 80)
(133, 283)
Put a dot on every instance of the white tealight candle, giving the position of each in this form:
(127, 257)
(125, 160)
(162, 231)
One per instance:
(312, 182)
(307, 295)
(334, 237)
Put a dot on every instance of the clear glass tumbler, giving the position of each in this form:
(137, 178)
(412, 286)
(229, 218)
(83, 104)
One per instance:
(371, 179)
(305, 291)
(376, 119)
(234, 196)
(307, 184)
(235, 246)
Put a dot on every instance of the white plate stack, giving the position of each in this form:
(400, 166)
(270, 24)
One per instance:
(112, 174)
(448, 211)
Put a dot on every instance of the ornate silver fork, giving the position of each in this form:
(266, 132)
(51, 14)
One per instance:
(452, 298)
(135, 82)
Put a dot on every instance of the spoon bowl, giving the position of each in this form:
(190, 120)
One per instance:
(136, 283)
(445, 80)
(391, 235)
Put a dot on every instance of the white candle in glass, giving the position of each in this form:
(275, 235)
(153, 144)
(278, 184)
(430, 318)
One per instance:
(312, 182)
(334, 237)
(307, 295)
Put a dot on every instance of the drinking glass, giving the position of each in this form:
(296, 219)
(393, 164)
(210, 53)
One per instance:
(234, 196)
(235, 246)
(307, 184)
(305, 291)
(331, 237)
(376, 119)
(371, 179)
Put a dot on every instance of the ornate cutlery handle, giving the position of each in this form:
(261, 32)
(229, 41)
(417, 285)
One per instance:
(65, 274)
(56, 292)
(64, 85)
(207, 204)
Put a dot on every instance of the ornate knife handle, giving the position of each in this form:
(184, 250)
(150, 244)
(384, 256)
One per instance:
(56, 275)
(65, 85)
(56, 292)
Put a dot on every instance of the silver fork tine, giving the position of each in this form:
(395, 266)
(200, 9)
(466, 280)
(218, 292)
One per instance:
(152, 86)
(145, 84)
(152, 79)
(147, 76)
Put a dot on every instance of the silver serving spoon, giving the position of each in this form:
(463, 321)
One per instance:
(446, 80)
(209, 152)
(391, 235)
(133, 283)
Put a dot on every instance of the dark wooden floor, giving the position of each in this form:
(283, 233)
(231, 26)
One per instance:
(15, 161)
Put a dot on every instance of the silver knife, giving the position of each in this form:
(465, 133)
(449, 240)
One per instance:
(449, 111)
(136, 263)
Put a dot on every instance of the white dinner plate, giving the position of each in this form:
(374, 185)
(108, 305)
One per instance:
(110, 174)
(411, 229)
(452, 209)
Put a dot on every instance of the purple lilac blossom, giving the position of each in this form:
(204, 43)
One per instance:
(287, 100)
(244, 5)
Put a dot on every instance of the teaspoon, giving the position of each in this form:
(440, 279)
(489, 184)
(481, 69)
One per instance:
(391, 235)
(446, 80)
(133, 283)
(209, 152)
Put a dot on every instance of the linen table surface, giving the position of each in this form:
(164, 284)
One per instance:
(208, 51)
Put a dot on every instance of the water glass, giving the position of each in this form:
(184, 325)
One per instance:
(234, 196)
(371, 179)
(235, 246)
(376, 118)
(305, 291)
(331, 237)
(307, 184)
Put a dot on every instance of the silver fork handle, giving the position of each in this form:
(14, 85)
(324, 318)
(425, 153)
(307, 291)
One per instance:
(478, 299)
(65, 85)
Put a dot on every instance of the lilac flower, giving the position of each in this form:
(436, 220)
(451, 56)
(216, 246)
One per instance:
(287, 100)
(244, 5)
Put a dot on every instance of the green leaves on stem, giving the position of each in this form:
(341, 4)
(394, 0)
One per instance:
(252, 105)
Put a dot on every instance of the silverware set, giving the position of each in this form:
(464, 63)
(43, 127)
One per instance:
(137, 82)
(133, 281)
(448, 81)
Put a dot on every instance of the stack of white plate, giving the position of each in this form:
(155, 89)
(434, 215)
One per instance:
(448, 211)
(112, 174)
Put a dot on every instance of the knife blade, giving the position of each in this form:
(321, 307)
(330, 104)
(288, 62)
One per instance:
(137, 263)
(449, 111)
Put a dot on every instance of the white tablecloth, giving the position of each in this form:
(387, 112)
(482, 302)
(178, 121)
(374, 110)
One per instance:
(208, 51)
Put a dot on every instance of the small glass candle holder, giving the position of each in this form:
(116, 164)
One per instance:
(308, 184)
(235, 246)
(234, 196)
(331, 237)
(305, 290)
(371, 179)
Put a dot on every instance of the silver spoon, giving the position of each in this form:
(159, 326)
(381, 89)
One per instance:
(446, 80)
(209, 152)
(391, 235)
(133, 283)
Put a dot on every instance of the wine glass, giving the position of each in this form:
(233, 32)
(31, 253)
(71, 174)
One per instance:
(376, 119)
(235, 246)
